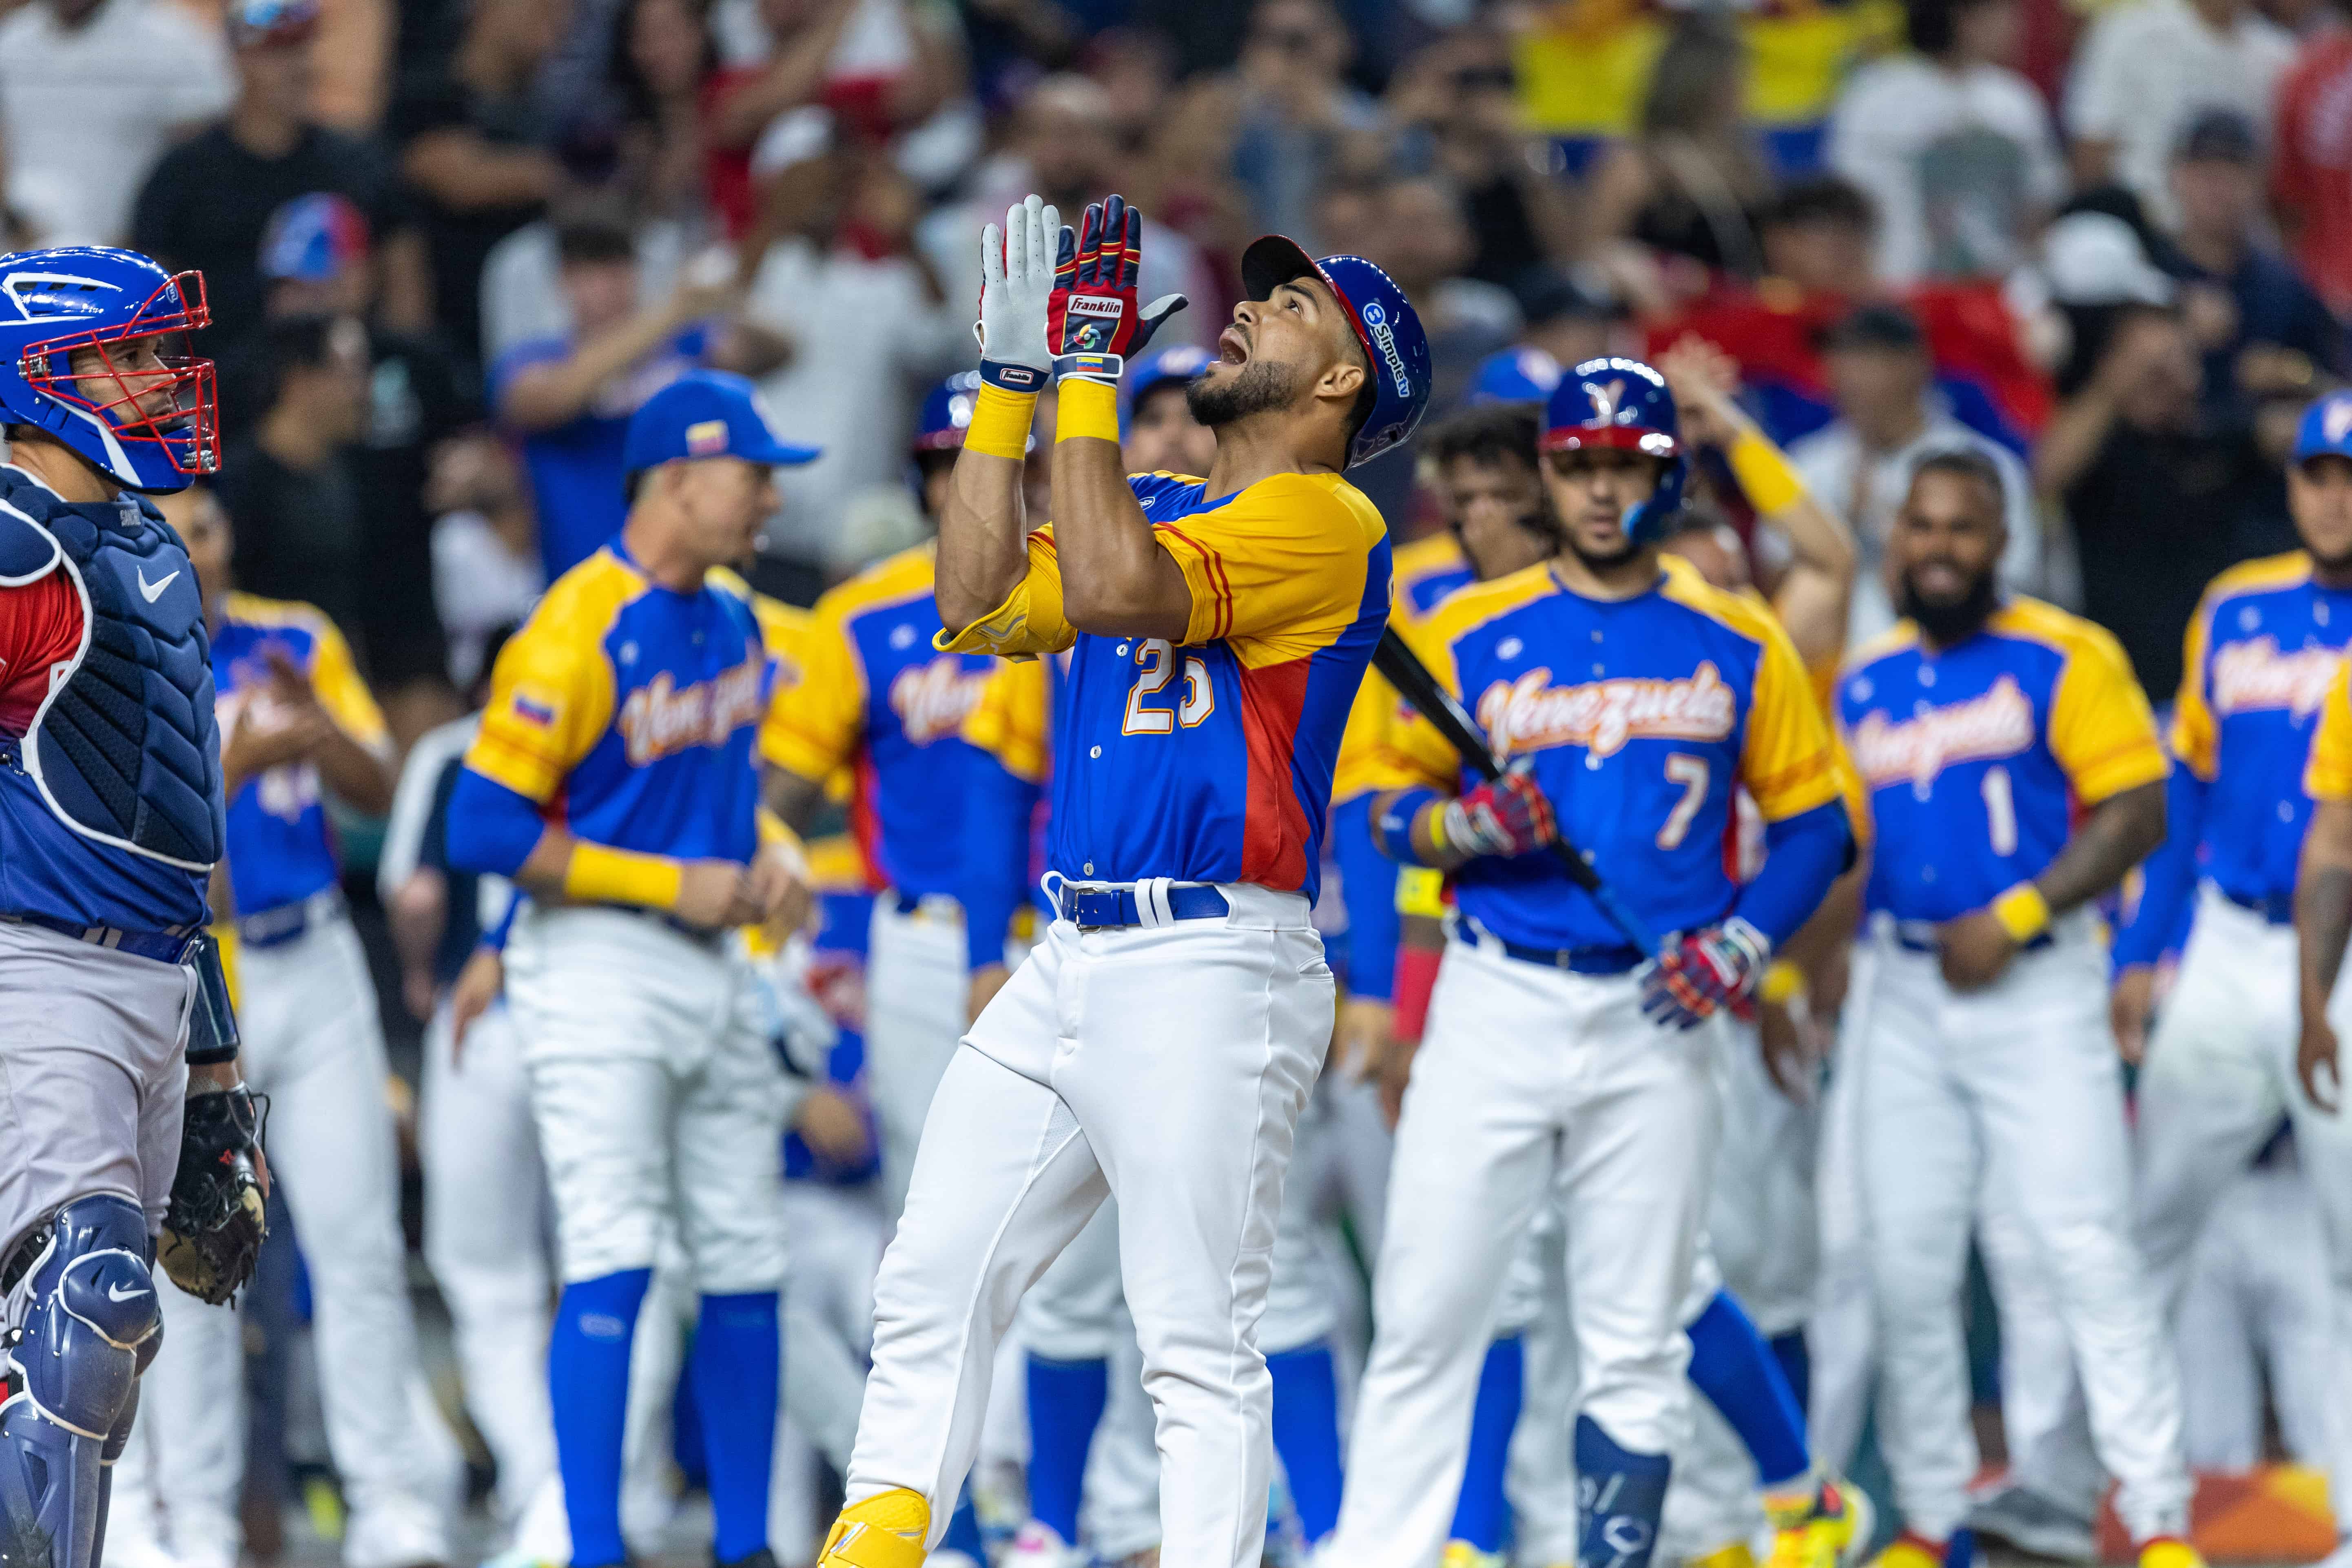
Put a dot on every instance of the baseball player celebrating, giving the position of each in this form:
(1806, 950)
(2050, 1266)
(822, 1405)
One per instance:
(115, 1033)
(1639, 699)
(1982, 726)
(1159, 1044)
(613, 781)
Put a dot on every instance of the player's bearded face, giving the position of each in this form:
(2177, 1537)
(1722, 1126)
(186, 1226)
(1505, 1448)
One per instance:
(1593, 490)
(1947, 544)
(1223, 396)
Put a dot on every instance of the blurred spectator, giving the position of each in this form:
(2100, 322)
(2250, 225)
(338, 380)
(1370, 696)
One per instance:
(570, 397)
(288, 487)
(1424, 243)
(1954, 148)
(74, 165)
(662, 53)
(2095, 269)
(2265, 333)
(1299, 112)
(1692, 182)
(1456, 103)
(486, 568)
(1889, 415)
(2311, 164)
(2159, 500)
(478, 150)
(2144, 72)
(870, 326)
(1569, 320)
(212, 199)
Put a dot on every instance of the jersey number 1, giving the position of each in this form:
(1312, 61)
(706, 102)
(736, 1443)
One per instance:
(1159, 662)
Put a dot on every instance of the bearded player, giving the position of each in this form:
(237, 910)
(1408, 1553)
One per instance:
(1159, 1044)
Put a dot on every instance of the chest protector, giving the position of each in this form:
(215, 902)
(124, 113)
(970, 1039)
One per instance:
(125, 749)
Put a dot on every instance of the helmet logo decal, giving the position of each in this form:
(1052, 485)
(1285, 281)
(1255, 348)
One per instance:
(1608, 398)
(2337, 421)
(39, 296)
(1384, 336)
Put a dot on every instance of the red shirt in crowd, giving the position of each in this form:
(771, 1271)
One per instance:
(2311, 174)
(40, 628)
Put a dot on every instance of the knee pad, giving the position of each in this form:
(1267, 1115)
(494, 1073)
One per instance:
(91, 1321)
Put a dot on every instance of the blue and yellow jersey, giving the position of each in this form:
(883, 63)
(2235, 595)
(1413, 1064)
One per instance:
(1642, 719)
(2262, 651)
(1212, 759)
(878, 699)
(2329, 774)
(1977, 757)
(627, 711)
(1011, 730)
(280, 847)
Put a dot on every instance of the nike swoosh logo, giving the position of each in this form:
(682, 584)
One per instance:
(152, 591)
(116, 1292)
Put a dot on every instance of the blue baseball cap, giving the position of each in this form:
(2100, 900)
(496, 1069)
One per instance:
(1386, 324)
(1179, 362)
(706, 414)
(2327, 429)
(1513, 376)
(946, 414)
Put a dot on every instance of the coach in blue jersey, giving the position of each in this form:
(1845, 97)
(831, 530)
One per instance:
(110, 821)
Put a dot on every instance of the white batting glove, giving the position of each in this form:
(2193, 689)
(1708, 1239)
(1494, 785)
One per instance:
(1016, 280)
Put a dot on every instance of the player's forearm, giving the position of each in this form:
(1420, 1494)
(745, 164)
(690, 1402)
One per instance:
(984, 527)
(2168, 878)
(1406, 825)
(1116, 579)
(1803, 856)
(2323, 902)
(795, 800)
(357, 776)
(549, 395)
(2120, 832)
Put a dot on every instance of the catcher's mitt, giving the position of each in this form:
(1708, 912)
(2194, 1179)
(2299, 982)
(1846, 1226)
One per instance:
(213, 1227)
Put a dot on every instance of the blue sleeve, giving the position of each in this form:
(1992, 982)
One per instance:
(2168, 877)
(1392, 832)
(1368, 880)
(1802, 855)
(519, 358)
(993, 878)
(491, 828)
(847, 923)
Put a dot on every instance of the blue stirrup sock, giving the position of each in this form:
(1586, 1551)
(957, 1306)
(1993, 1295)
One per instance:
(588, 1385)
(1482, 1516)
(1065, 1405)
(1306, 1434)
(1796, 1359)
(963, 1529)
(736, 1368)
(1618, 1497)
(1742, 1378)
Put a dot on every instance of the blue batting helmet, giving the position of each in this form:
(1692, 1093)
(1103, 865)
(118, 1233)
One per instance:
(1386, 325)
(1513, 376)
(149, 425)
(1623, 404)
(947, 412)
(2327, 429)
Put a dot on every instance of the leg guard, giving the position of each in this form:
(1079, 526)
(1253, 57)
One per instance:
(90, 1324)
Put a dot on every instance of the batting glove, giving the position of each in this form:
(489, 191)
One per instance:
(1093, 321)
(1016, 281)
(1704, 972)
(1506, 816)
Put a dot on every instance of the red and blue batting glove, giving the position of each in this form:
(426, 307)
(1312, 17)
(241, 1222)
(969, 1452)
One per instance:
(1704, 973)
(1506, 816)
(1093, 321)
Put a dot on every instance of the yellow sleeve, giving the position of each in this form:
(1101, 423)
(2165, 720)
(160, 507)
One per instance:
(551, 699)
(1009, 720)
(2328, 775)
(817, 715)
(1411, 753)
(1369, 718)
(345, 697)
(1787, 761)
(1031, 620)
(1279, 571)
(2196, 738)
(2101, 731)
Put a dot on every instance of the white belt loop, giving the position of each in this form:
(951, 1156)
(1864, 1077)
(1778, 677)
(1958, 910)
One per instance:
(1151, 903)
(1051, 884)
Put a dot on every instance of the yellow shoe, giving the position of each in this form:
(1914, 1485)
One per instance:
(1736, 1555)
(887, 1530)
(1462, 1554)
(1825, 1531)
(1908, 1551)
(2169, 1552)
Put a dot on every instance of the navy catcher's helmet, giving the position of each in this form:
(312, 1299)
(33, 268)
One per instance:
(150, 426)
(1386, 324)
(1623, 403)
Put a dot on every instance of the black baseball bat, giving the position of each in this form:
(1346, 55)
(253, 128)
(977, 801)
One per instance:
(1417, 686)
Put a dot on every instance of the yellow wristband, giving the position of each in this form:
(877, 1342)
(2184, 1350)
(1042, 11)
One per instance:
(1783, 981)
(599, 875)
(1421, 890)
(1085, 408)
(2022, 912)
(774, 829)
(1000, 422)
(1765, 475)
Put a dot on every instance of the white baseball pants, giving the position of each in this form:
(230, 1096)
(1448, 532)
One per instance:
(1165, 1064)
(2016, 1086)
(658, 1098)
(1761, 1215)
(917, 988)
(314, 1044)
(1531, 1082)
